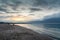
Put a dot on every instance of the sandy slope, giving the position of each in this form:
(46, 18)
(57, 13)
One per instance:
(10, 32)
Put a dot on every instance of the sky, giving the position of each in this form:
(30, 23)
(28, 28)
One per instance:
(27, 10)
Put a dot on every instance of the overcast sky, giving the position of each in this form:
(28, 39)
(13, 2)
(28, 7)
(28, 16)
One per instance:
(31, 9)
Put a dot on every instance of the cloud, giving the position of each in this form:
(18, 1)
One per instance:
(3, 9)
(11, 2)
(35, 9)
(9, 5)
(13, 5)
(40, 3)
(50, 4)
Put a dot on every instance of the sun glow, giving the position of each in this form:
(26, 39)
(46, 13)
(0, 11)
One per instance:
(20, 18)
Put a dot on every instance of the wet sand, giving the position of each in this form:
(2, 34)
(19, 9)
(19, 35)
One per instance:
(15, 32)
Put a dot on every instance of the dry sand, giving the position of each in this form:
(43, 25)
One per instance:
(10, 32)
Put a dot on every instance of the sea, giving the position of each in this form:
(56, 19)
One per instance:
(53, 30)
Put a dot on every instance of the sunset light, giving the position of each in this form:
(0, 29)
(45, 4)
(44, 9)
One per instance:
(20, 18)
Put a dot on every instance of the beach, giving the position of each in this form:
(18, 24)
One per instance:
(15, 32)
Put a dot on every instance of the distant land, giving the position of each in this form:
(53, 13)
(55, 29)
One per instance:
(47, 21)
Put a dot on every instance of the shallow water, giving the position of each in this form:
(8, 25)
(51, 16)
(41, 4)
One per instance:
(50, 29)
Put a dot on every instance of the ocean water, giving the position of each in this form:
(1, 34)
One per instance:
(53, 30)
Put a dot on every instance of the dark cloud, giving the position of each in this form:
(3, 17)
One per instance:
(47, 3)
(5, 16)
(12, 3)
(15, 4)
(41, 3)
(50, 4)
(1, 9)
(35, 9)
